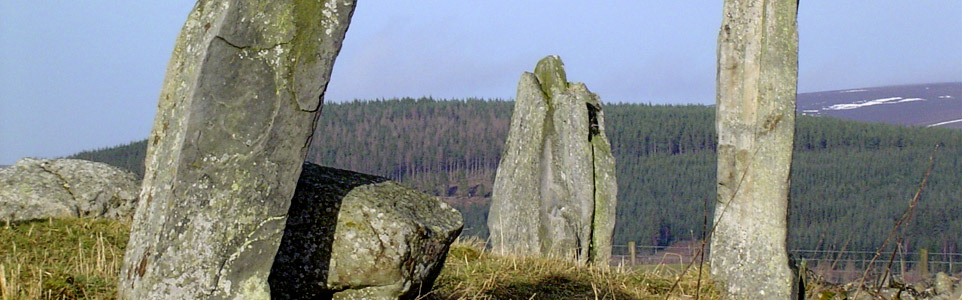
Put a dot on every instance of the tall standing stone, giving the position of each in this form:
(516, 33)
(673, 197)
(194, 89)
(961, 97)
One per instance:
(555, 190)
(755, 119)
(236, 113)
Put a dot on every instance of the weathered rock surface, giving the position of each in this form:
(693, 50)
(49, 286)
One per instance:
(357, 236)
(944, 284)
(941, 287)
(40, 188)
(235, 116)
(555, 189)
(755, 119)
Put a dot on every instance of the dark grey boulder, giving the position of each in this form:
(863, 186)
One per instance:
(555, 188)
(40, 188)
(357, 236)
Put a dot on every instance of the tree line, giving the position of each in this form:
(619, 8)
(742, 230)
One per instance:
(850, 180)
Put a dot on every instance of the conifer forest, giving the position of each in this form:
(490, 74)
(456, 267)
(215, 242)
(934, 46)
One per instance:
(851, 181)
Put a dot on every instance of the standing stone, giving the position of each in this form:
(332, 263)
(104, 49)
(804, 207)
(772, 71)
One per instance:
(236, 113)
(755, 119)
(555, 190)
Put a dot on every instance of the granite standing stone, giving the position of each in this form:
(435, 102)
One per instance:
(755, 119)
(236, 113)
(554, 190)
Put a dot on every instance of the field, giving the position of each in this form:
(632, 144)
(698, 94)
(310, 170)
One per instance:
(80, 259)
(61, 259)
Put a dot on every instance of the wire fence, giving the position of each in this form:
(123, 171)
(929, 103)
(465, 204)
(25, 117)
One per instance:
(838, 266)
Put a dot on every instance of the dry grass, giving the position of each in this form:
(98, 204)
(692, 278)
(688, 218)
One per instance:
(79, 259)
(472, 273)
(61, 259)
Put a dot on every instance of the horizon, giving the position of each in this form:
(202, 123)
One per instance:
(347, 102)
(77, 64)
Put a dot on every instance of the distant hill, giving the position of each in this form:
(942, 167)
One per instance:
(929, 105)
(850, 179)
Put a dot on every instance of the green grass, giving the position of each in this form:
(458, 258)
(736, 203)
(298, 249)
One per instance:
(80, 259)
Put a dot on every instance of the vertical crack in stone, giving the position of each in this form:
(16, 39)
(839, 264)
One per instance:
(593, 128)
(217, 277)
(142, 265)
(594, 195)
(560, 177)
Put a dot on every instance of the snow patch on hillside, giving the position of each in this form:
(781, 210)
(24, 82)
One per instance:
(944, 123)
(864, 103)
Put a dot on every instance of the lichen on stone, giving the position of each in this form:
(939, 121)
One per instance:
(380, 240)
(241, 95)
(554, 191)
(551, 75)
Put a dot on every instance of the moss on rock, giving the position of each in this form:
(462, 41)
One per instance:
(554, 190)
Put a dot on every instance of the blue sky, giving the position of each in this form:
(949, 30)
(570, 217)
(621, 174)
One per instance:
(78, 75)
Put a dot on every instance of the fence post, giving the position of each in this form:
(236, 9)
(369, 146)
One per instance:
(631, 252)
(924, 263)
(901, 260)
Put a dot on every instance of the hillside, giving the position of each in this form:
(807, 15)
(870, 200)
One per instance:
(850, 179)
(935, 104)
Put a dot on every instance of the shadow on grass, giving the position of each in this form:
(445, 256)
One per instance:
(553, 287)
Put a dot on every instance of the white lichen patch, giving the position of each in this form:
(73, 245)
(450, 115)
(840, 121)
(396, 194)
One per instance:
(224, 285)
(330, 20)
(255, 288)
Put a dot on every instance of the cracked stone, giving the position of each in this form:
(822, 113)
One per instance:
(555, 189)
(234, 118)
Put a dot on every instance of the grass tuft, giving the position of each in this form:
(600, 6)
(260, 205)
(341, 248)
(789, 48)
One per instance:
(61, 258)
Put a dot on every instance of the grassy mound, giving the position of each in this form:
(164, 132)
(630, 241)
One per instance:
(80, 259)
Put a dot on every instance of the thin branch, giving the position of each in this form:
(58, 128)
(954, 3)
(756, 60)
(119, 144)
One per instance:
(701, 250)
(906, 216)
(841, 252)
(701, 258)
